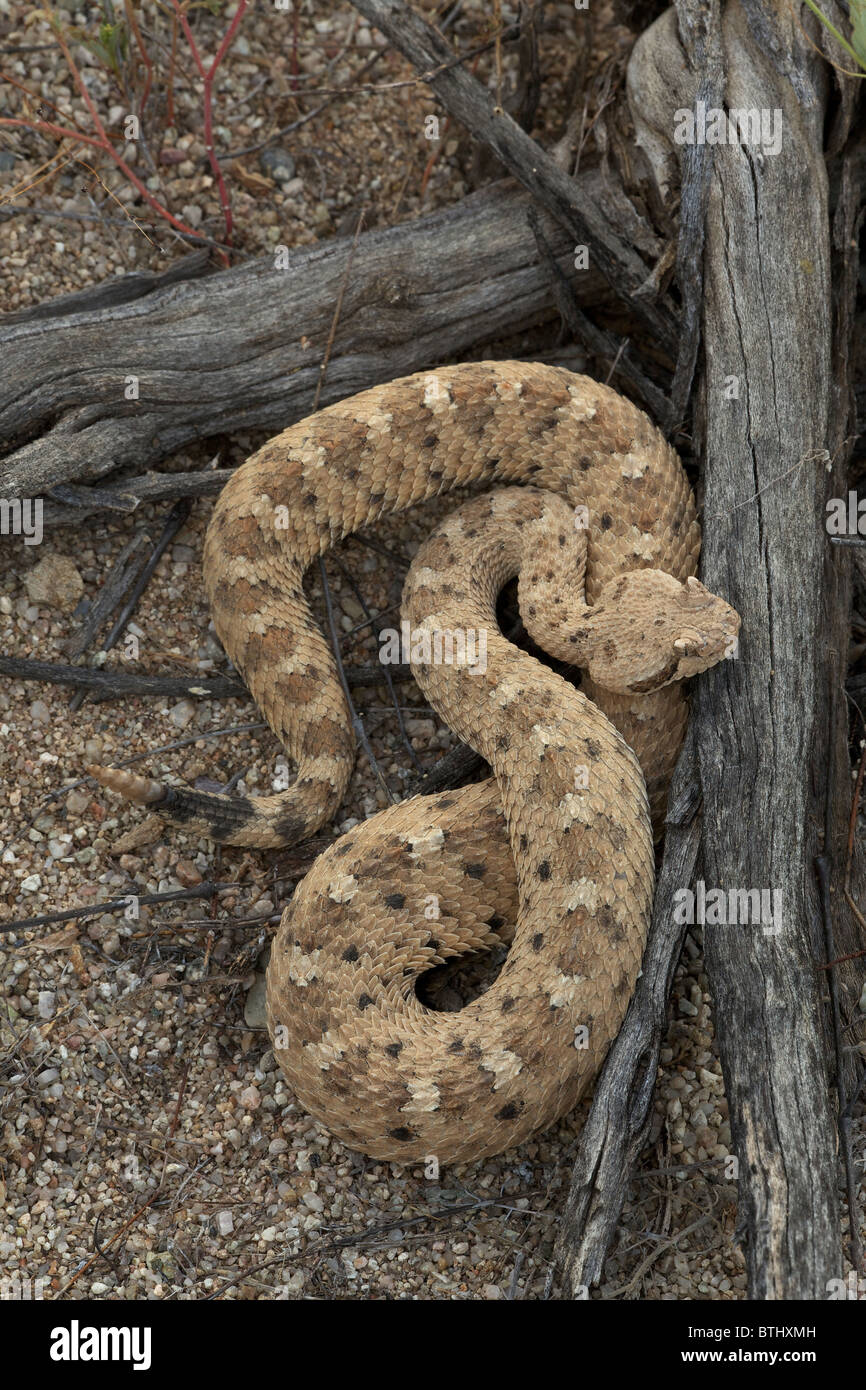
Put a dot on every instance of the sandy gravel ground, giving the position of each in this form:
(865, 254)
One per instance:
(150, 1148)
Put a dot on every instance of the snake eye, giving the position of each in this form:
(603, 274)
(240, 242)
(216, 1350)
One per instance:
(687, 646)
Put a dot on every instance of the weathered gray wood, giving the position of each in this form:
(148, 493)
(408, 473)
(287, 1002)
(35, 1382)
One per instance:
(123, 289)
(618, 1123)
(762, 721)
(242, 349)
(833, 771)
(758, 720)
(563, 197)
(73, 503)
(119, 685)
(600, 344)
(701, 37)
(769, 763)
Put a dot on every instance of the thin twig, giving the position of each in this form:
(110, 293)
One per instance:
(70, 914)
(120, 577)
(597, 340)
(101, 141)
(194, 238)
(337, 311)
(852, 821)
(278, 134)
(448, 772)
(176, 518)
(822, 864)
(357, 723)
(844, 1121)
(378, 627)
(89, 1263)
(207, 75)
(119, 685)
(145, 56)
(181, 1091)
(380, 549)
(654, 1254)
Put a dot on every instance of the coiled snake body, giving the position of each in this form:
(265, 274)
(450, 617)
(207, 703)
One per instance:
(554, 852)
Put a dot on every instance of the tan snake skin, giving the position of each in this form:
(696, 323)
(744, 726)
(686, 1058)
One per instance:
(554, 850)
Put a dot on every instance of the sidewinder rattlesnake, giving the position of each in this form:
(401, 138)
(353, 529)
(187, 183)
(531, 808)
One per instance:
(554, 852)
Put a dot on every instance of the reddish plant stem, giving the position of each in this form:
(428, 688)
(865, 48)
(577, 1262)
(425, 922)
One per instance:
(80, 84)
(295, 34)
(145, 57)
(207, 75)
(104, 144)
(169, 99)
(39, 102)
(102, 140)
(49, 128)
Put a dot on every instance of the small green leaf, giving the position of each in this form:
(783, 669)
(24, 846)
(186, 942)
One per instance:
(858, 29)
(858, 14)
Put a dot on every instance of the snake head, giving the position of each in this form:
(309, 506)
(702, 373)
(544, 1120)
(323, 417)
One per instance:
(650, 630)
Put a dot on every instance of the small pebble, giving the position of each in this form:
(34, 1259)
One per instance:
(54, 582)
(186, 873)
(45, 1003)
(225, 1223)
(277, 164)
(181, 713)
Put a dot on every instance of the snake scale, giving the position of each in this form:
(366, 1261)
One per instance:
(553, 853)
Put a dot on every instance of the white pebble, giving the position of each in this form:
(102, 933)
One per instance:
(77, 801)
(45, 1003)
(225, 1223)
(182, 713)
(54, 582)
